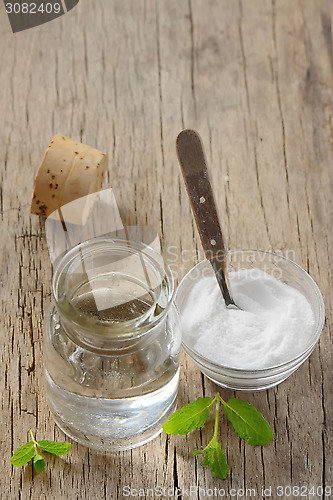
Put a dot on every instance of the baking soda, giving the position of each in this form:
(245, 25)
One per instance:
(276, 322)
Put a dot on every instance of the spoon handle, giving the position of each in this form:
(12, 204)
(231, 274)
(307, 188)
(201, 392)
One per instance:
(194, 168)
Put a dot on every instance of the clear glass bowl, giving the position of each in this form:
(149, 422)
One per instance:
(280, 268)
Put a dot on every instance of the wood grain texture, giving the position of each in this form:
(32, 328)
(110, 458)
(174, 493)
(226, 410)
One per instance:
(255, 79)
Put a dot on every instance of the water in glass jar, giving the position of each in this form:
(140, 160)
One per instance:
(141, 383)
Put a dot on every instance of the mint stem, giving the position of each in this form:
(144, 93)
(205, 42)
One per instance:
(217, 417)
(32, 437)
(218, 398)
(34, 441)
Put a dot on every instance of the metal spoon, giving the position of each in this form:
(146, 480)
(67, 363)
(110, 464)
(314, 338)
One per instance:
(194, 168)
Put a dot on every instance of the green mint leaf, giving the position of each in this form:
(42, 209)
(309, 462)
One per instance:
(23, 454)
(55, 447)
(248, 422)
(191, 416)
(215, 459)
(39, 463)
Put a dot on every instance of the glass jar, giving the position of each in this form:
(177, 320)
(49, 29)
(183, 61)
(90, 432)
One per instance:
(112, 344)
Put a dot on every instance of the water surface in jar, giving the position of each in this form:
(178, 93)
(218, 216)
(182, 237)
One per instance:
(114, 299)
(123, 311)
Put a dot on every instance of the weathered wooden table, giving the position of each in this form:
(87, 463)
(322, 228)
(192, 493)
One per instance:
(255, 78)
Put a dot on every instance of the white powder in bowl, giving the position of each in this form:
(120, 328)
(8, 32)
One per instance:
(275, 325)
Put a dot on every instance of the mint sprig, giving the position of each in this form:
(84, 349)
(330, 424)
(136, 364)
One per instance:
(191, 416)
(246, 420)
(29, 451)
(55, 447)
(23, 455)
